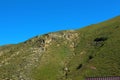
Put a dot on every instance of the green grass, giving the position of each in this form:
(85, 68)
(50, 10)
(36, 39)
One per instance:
(96, 53)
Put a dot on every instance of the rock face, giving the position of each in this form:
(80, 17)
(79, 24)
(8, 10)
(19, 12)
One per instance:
(66, 55)
(30, 52)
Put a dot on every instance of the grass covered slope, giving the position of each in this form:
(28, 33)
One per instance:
(98, 52)
(93, 51)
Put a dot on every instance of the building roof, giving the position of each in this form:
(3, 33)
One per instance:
(104, 78)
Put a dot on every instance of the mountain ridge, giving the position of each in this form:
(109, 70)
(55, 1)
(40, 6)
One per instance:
(92, 51)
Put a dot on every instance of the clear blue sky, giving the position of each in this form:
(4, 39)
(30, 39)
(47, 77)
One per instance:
(23, 19)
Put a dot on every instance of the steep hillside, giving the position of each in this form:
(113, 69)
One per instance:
(93, 51)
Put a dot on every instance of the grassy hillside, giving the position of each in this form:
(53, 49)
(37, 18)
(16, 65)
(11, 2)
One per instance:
(93, 51)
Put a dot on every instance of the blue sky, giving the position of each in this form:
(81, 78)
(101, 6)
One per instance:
(23, 19)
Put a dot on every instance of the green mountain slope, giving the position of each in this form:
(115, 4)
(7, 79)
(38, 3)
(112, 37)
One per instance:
(93, 51)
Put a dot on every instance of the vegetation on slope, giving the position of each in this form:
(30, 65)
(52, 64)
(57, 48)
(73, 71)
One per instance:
(93, 51)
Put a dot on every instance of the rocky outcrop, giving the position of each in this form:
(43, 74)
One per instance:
(34, 49)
